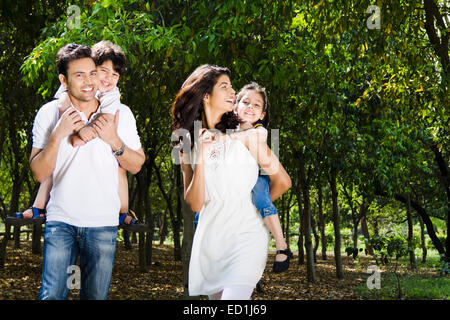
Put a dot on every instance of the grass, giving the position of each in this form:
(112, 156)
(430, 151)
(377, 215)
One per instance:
(422, 283)
(413, 286)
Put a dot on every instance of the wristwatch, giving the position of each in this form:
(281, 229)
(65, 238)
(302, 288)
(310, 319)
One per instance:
(119, 152)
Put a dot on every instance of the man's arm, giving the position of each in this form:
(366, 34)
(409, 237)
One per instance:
(43, 161)
(106, 126)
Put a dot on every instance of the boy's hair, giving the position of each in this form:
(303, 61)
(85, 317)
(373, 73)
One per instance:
(70, 52)
(253, 86)
(106, 50)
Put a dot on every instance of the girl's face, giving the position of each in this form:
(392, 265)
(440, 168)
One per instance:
(107, 76)
(222, 95)
(250, 107)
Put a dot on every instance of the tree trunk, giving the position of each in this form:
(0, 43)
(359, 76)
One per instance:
(287, 213)
(178, 219)
(365, 231)
(36, 239)
(440, 45)
(355, 234)
(322, 225)
(445, 179)
(301, 251)
(426, 219)
(422, 241)
(126, 240)
(3, 245)
(412, 257)
(316, 238)
(163, 227)
(186, 246)
(310, 270)
(337, 229)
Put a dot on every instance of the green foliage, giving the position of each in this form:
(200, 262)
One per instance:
(387, 247)
(367, 104)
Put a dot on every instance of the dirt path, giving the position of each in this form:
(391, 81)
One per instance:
(20, 279)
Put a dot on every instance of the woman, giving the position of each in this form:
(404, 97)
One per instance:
(231, 242)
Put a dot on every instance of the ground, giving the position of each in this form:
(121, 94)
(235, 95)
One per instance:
(20, 278)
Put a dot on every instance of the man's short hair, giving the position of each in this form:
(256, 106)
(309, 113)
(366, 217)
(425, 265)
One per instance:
(106, 50)
(69, 53)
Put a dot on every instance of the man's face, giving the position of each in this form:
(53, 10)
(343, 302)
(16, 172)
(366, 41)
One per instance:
(81, 79)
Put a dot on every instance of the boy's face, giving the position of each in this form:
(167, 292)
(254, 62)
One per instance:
(107, 76)
(81, 80)
(250, 107)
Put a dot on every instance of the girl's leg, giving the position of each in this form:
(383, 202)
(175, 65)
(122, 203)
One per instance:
(263, 202)
(273, 224)
(237, 292)
(41, 198)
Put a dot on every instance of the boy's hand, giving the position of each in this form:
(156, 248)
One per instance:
(87, 133)
(63, 102)
(76, 141)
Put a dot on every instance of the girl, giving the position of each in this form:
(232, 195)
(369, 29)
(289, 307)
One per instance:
(230, 245)
(251, 106)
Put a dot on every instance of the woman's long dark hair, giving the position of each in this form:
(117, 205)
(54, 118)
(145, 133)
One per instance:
(188, 104)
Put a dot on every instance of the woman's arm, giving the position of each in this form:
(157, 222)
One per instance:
(194, 180)
(194, 185)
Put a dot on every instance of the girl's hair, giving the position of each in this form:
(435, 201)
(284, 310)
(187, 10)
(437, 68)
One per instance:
(188, 104)
(253, 86)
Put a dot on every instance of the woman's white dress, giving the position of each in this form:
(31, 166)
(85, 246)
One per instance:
(230, 243)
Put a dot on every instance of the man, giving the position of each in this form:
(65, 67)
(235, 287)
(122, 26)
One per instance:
(82, 213)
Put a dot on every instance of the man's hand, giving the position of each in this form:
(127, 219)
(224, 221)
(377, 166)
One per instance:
(106, 127)
(69, 123)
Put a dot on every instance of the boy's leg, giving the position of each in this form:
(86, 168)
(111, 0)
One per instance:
(123, 195)
(97, 248)
(60, 252)
(41, 198)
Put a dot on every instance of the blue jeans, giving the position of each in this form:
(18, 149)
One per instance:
(261, 199)
(62, 245)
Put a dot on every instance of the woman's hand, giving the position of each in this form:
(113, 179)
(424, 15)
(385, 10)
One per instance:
(204, 143)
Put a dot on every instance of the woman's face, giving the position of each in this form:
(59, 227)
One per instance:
(250, 107)
(107, 76)
(222, 95)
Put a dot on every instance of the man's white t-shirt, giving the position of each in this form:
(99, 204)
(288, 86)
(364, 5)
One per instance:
(85, 179)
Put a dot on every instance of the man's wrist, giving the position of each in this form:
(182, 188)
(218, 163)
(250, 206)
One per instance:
(119, 151)
(116, 145)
